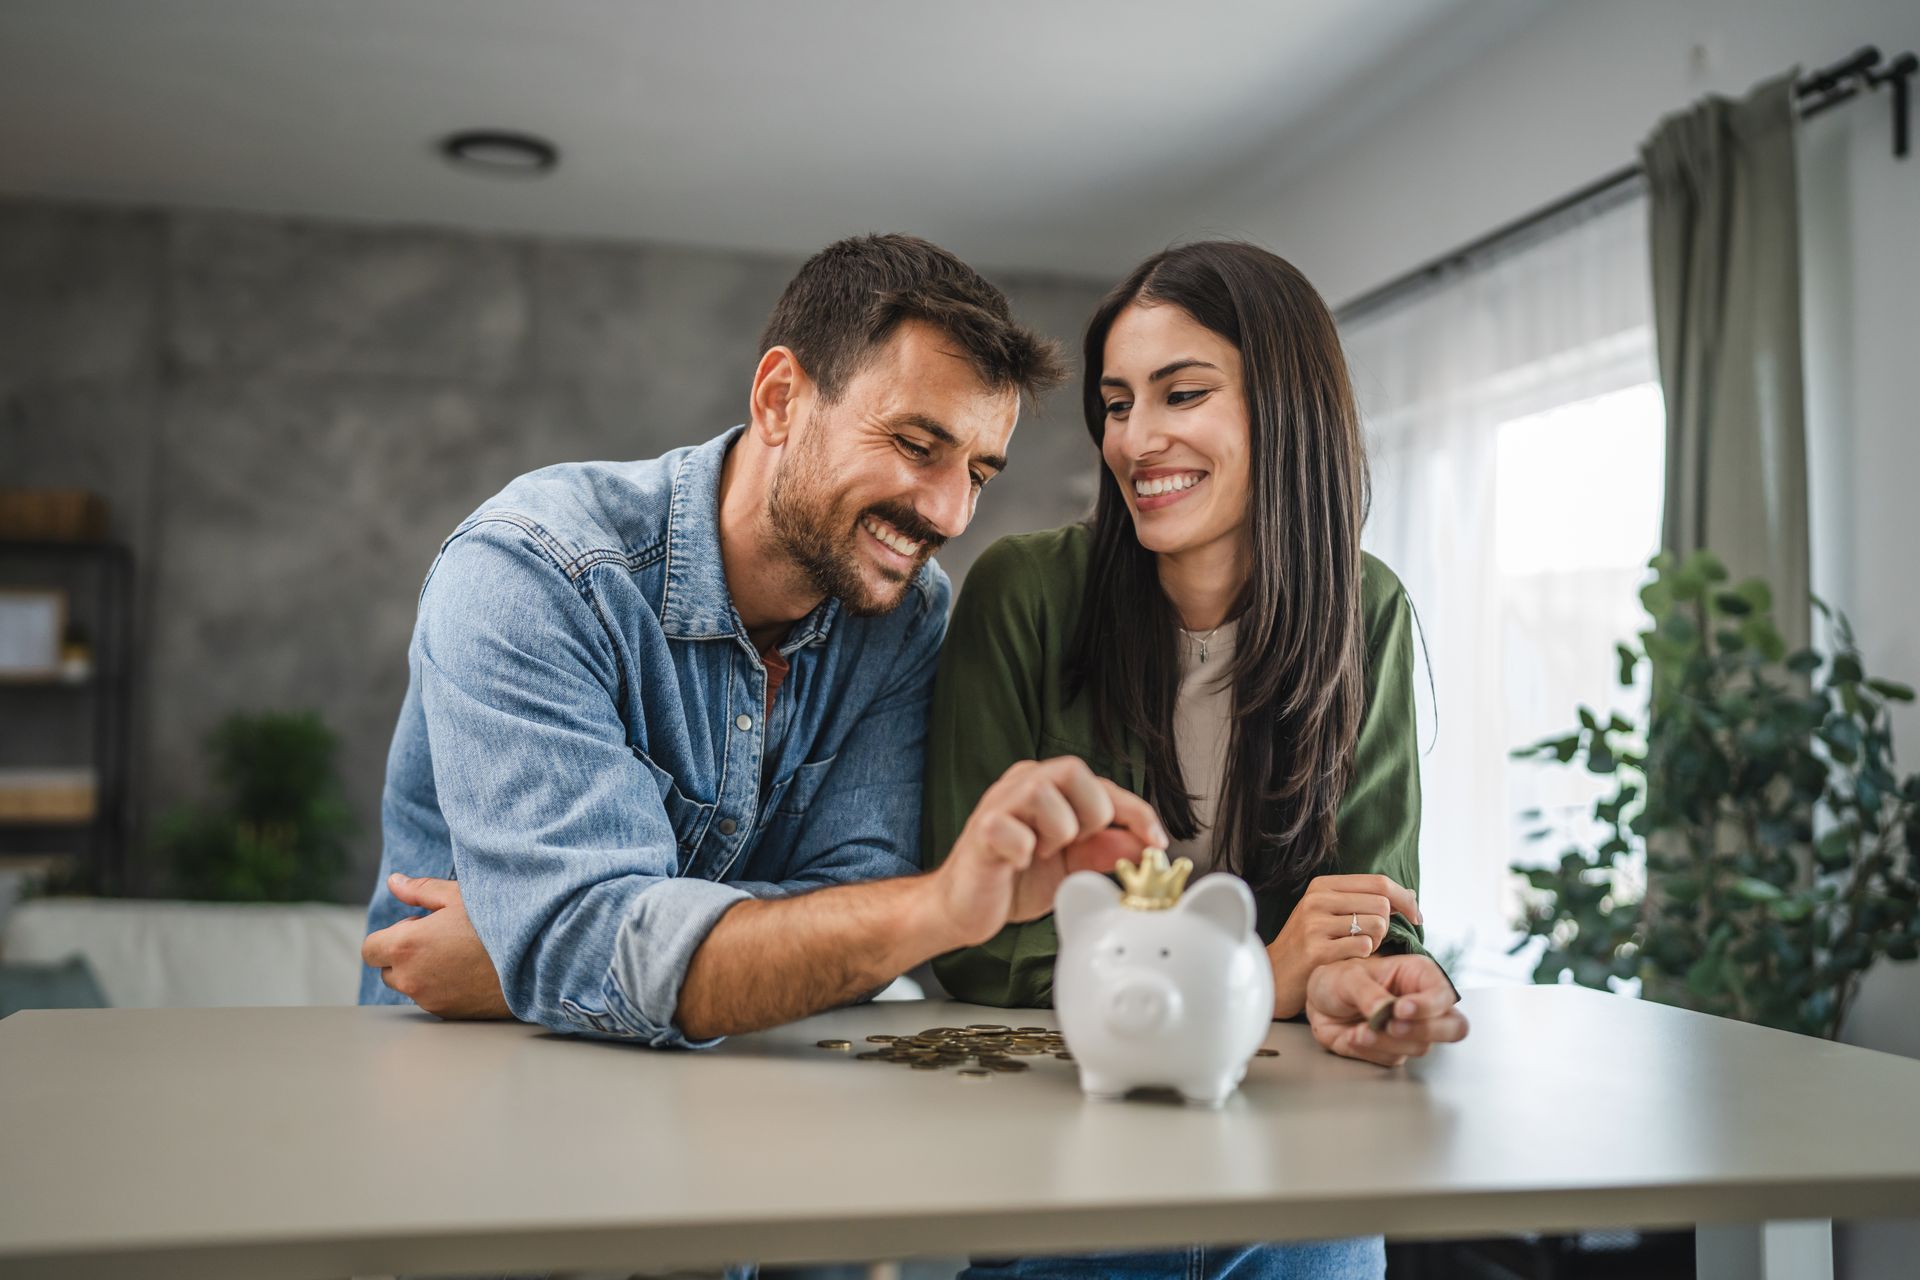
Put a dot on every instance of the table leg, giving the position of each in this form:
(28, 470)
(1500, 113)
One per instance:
(1795, 1250)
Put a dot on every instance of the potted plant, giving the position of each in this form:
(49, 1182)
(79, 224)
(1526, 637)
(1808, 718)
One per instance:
(281, 835)
(1755, 854)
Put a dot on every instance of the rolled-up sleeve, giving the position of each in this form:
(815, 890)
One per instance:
(1379, 818)
(566, 858)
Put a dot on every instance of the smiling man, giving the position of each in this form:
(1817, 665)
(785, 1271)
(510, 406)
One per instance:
(665, 719)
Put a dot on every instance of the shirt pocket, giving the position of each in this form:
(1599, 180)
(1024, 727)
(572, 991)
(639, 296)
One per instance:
(687, 816)
(793, 797)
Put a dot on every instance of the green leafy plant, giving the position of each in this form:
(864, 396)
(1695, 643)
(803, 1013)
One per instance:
(1755, 854)
(282, 834)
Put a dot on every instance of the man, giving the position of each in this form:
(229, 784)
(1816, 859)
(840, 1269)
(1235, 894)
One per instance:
(666, 718)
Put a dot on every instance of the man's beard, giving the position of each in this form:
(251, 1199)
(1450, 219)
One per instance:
(822, 538)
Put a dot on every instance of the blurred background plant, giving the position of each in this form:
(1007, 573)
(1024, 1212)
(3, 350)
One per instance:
(282, 830)
(1756, 854)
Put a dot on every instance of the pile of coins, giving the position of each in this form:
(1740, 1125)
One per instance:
(979, 1050)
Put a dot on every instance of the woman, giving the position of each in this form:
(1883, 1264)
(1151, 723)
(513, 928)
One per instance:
(1215, 640)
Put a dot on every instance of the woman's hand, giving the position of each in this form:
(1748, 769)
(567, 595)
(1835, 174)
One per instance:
(1321, 930)
(1341, 997)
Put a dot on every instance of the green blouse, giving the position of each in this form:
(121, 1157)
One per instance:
(1001, 697)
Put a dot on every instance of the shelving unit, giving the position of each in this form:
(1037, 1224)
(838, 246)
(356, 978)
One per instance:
(98, 580)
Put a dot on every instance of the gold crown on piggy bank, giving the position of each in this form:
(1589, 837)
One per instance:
(1153, 885)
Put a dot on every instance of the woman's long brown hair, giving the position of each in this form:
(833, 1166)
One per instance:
(1298, 679)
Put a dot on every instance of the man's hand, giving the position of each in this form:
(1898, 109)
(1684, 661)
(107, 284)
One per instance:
(1321, 930)
(436, 960)
(1042, 821)
(1340, 996)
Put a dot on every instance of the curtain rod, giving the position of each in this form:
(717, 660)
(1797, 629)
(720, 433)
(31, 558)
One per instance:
(1858, 73)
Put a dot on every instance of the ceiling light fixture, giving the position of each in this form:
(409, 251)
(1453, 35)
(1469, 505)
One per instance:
(497, 151)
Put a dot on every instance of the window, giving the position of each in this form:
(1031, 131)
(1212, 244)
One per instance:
(1517, 437)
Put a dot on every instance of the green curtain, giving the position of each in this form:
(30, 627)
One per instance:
(1725, 245)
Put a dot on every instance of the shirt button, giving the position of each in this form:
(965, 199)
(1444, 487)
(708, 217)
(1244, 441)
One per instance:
(727, 825)
(744, 722)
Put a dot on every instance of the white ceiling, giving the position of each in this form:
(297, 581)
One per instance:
(1058, 135)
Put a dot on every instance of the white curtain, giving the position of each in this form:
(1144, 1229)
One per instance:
(1514, 423)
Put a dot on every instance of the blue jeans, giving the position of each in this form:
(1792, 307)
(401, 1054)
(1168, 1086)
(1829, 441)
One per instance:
(1361, 1258)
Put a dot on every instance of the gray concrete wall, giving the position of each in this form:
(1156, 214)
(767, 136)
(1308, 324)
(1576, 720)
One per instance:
(288, 417)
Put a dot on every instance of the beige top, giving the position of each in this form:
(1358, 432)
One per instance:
(1202, 726)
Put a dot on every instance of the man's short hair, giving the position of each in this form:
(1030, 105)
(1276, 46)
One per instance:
(850, 297)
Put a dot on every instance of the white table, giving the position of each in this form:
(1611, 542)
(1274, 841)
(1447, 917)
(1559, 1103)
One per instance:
(343, 1141)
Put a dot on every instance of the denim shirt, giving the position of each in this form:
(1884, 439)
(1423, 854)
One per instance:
(582, 741)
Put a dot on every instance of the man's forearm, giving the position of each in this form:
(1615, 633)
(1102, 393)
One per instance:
(768, 962)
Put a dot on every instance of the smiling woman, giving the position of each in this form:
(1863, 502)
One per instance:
(1235, 490)
(1214, 639)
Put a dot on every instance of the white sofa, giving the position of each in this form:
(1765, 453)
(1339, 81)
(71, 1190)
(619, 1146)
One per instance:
(149, 954)
(178, 955)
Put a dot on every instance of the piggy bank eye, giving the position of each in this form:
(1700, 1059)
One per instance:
(1119, 950)
(1164, 953)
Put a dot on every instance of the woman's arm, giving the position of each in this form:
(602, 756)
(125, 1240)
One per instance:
(1365, 904)
(986, 716)
(1379, 820)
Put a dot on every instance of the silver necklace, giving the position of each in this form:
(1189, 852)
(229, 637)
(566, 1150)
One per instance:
(1203, 641)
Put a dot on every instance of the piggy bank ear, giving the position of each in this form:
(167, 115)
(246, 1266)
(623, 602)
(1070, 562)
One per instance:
(1080, 897)
(1222, 900)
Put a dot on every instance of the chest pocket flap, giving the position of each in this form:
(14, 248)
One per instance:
(688, 817)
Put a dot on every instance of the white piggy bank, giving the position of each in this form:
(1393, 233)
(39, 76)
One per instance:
(1156, 988)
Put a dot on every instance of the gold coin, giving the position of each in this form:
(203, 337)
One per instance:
(835, 1044)
(881, 1039)
(926, 1066)
(975, 1073)
(988, 1026)
(1033, 1030)
(1382, 1014)
(1006, 1064)
(1266, 1053)
(1064, 1057)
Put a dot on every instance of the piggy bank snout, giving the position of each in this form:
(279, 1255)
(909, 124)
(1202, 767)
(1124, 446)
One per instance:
(1142, 1004)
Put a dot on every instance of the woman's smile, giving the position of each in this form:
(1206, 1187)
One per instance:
(1158, 487)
